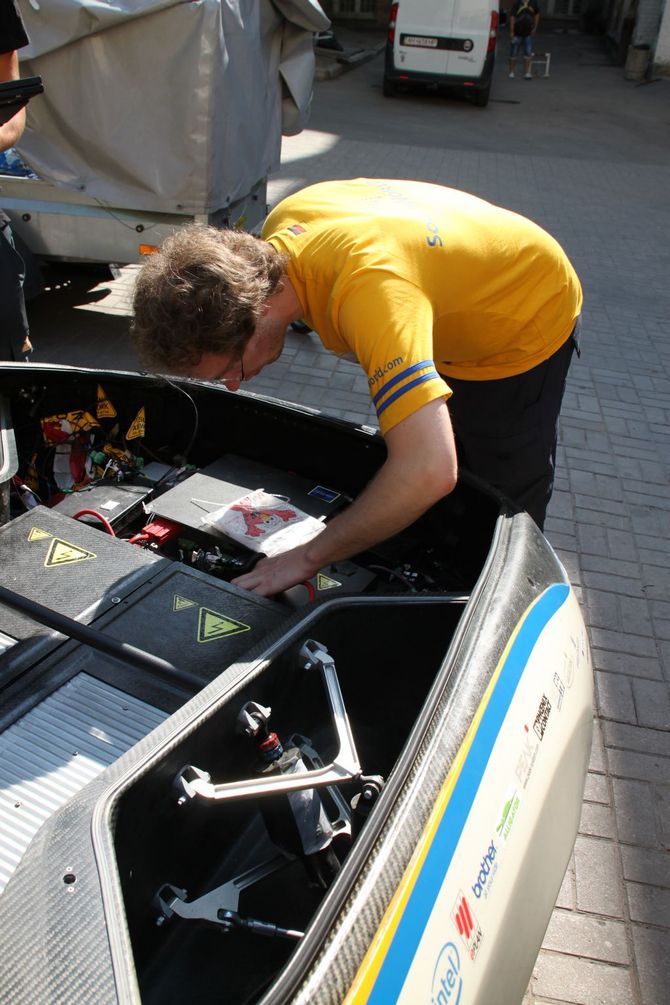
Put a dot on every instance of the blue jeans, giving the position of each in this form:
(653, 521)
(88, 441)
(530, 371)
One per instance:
(523, 41)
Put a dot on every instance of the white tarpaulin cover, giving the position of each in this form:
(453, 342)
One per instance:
(166, 105)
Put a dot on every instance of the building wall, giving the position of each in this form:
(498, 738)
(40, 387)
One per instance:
(662, 53)
(647, 21)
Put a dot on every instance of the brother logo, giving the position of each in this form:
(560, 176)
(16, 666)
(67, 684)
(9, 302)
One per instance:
(484, 870)
(447, 980)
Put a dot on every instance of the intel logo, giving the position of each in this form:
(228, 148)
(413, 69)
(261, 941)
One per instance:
(447, 981)
(484, 870)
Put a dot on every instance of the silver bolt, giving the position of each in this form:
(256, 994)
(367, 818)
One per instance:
(160, 920)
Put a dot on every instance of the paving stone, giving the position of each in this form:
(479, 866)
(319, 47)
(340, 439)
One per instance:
(652, 956)
(651, 741)
(625, 663)
(588, 936)
(662, 796)
(646, 865)
(632, 764)
(567, 897)
(615, 697)
(649, 904)
(597, 762)
(635, 812)
(597, 877)
(652, 703)
(618, 642)
(596, 789)
(583, 982)
(597, 820)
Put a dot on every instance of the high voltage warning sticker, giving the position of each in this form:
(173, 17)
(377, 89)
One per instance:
(324, 582)
(213, 626)
(181, 603)
(38, 535)
(63, 553)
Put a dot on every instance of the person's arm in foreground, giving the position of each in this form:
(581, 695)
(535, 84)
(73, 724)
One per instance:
(12, 130)
(420, 468)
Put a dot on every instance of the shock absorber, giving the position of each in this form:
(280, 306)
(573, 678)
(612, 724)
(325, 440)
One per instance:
(296, 821)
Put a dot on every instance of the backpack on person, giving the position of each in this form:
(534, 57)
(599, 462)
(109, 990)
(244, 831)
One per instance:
(524, 19)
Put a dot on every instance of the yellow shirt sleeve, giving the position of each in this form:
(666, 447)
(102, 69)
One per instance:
(388, 324)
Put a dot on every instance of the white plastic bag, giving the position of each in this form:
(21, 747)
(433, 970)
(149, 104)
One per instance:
(264, 522)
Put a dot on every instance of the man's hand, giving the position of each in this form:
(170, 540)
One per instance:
(272, 575)
(420, 469)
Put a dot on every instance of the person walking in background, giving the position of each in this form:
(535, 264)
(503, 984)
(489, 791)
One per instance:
(14, 335)
(524, 18)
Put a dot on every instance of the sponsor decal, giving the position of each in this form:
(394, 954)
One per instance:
(487, 870)
(381, 371)
(297, 229)
(447, 984)
(526, 761)
(542, 717)
(560, 691)
(468, 927)
(508, 816)
(321, 492)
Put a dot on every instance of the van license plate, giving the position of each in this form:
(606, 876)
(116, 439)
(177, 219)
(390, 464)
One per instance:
(420, 41)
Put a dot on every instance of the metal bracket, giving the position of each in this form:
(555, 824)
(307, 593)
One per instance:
(219, 906)
(194, 783)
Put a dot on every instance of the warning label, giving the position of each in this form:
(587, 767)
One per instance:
(181, 603)
(137, 426)
(213, 626)
(63, 553)
(38, 535)
(324, 582)
(104, 408)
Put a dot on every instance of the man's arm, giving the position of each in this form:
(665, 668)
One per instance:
(420, 468)
(12, 130)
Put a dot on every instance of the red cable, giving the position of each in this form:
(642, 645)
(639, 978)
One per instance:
(311, 592)
(138, 538)
(98, 516)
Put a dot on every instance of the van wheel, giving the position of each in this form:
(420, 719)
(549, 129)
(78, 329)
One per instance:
(388, 88)
(481, 97)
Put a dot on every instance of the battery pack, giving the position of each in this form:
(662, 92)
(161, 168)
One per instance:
(119, 503)
(75, 569)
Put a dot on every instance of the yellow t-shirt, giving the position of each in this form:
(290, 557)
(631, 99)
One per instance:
(414, 278)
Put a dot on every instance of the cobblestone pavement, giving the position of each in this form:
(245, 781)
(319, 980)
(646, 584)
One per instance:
(585, 154)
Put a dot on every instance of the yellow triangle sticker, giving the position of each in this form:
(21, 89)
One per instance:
(38, 535)
(181, 603)
(213, 626)
(324, 582)
(138, 426)
(64, 553)
(104, 408)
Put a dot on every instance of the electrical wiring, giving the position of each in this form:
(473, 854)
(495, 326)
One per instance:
(98, 516)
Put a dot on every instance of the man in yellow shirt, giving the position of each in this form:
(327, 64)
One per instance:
(438, 294)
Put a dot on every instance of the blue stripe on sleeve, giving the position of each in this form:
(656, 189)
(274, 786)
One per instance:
(401, 376)
(434, 375)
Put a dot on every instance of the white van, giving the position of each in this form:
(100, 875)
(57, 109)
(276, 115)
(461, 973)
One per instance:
(445, 42)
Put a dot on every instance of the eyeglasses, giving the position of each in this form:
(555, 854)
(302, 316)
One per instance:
(234, 380)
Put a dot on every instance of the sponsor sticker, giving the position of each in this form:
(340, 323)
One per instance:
(447, 983)
(488, 867)
(468, 927)
(542, 717)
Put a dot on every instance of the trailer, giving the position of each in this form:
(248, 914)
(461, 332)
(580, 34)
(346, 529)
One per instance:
(154, 114)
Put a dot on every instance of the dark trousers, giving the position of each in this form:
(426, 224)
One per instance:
(14, 341)
(506, 430)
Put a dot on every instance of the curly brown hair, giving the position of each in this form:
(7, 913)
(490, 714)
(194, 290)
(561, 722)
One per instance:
(202, 292)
